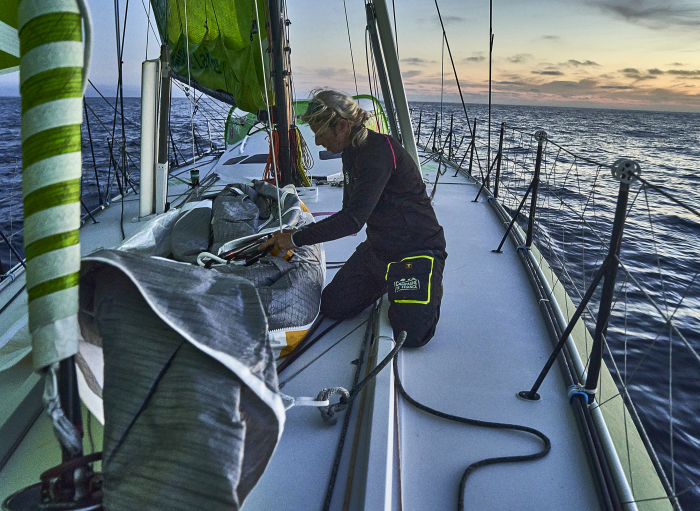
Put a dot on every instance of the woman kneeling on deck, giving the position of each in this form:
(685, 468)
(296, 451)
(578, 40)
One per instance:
(405, 249)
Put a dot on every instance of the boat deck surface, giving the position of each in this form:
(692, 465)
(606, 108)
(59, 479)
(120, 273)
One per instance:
(490, 343)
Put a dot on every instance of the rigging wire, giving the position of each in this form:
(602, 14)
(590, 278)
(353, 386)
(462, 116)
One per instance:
(488, 146)
(442, 82)
(269, 113)
(454, 70)
(369, 74)
(189, 79)
(120, 98)
(155, 34)
(136, 125)
(396, 33)
(148, 17)
(352, 58)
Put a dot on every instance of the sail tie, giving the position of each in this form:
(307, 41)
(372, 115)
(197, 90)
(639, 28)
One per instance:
(66, 433)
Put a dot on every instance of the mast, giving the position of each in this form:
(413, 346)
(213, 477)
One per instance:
(381, 71)
(161, 182)
(280, 78)
(392, 67)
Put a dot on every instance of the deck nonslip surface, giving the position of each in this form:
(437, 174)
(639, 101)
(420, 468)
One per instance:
(490, 343)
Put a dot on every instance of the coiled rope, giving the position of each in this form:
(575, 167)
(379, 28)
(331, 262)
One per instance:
(484, 424)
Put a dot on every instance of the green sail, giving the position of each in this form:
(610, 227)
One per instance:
(224, 50)
(9, 41)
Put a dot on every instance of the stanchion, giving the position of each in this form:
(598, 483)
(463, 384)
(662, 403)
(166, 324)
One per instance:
(496, 161)
(499, 157)
(420, 118)
(541, 137)
(625, 171)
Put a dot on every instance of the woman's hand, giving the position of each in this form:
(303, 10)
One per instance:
(281, 241)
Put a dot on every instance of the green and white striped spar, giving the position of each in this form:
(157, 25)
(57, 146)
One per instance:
(53, 73)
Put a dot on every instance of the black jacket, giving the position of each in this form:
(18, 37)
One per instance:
(384, 190)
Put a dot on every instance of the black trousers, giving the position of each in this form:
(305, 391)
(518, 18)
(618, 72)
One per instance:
(362, 281)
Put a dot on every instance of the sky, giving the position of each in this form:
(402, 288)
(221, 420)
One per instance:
(631, 54)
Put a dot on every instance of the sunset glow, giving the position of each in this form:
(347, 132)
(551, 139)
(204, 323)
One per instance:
(638, 54)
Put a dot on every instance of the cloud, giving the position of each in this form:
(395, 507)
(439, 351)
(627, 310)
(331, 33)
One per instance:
(630, 72)
(414, 61)
(475, 58)
(551, 38)
(528, 88)
(683, 72)
(636, 74)
(520, 58)
(652, 13)
(578, 63)
(676, 64)
(449, 20)
(411, 73)
(548, 73)
(333, 72)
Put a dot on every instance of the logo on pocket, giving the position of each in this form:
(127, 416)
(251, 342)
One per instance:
(412, 284)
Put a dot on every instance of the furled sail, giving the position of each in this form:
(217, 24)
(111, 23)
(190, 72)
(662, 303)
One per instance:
(52, 84)
(218, 41)
(9, 40)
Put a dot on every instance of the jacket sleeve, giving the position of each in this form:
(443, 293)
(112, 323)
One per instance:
(372, 171)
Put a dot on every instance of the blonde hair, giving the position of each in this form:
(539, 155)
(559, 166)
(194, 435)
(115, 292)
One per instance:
(327, 107)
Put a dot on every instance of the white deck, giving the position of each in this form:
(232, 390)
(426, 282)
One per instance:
(490, 343)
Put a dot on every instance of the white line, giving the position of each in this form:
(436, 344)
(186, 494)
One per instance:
(54, 114)
(30, 9)
(49, 308)
(52, 265)
(51, 221)
(56, 341)
(49, 56)
(9, 40)
(59, 168)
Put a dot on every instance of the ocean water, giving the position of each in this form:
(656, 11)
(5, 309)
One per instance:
(660, 248)
(656, 361)
(104, 120)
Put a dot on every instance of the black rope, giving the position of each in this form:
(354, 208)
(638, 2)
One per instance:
(474, 422)
(12, 248)
(92, 151)
(346, 419)
(370, 75)
(669, 196)
(135, 124)
(305, 343)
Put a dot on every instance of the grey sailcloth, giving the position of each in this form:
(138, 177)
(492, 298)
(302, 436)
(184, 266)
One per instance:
(192, 410)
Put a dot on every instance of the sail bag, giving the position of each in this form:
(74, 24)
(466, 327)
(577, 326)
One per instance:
(191, 406)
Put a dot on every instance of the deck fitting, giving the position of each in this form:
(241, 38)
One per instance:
(527, 395)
